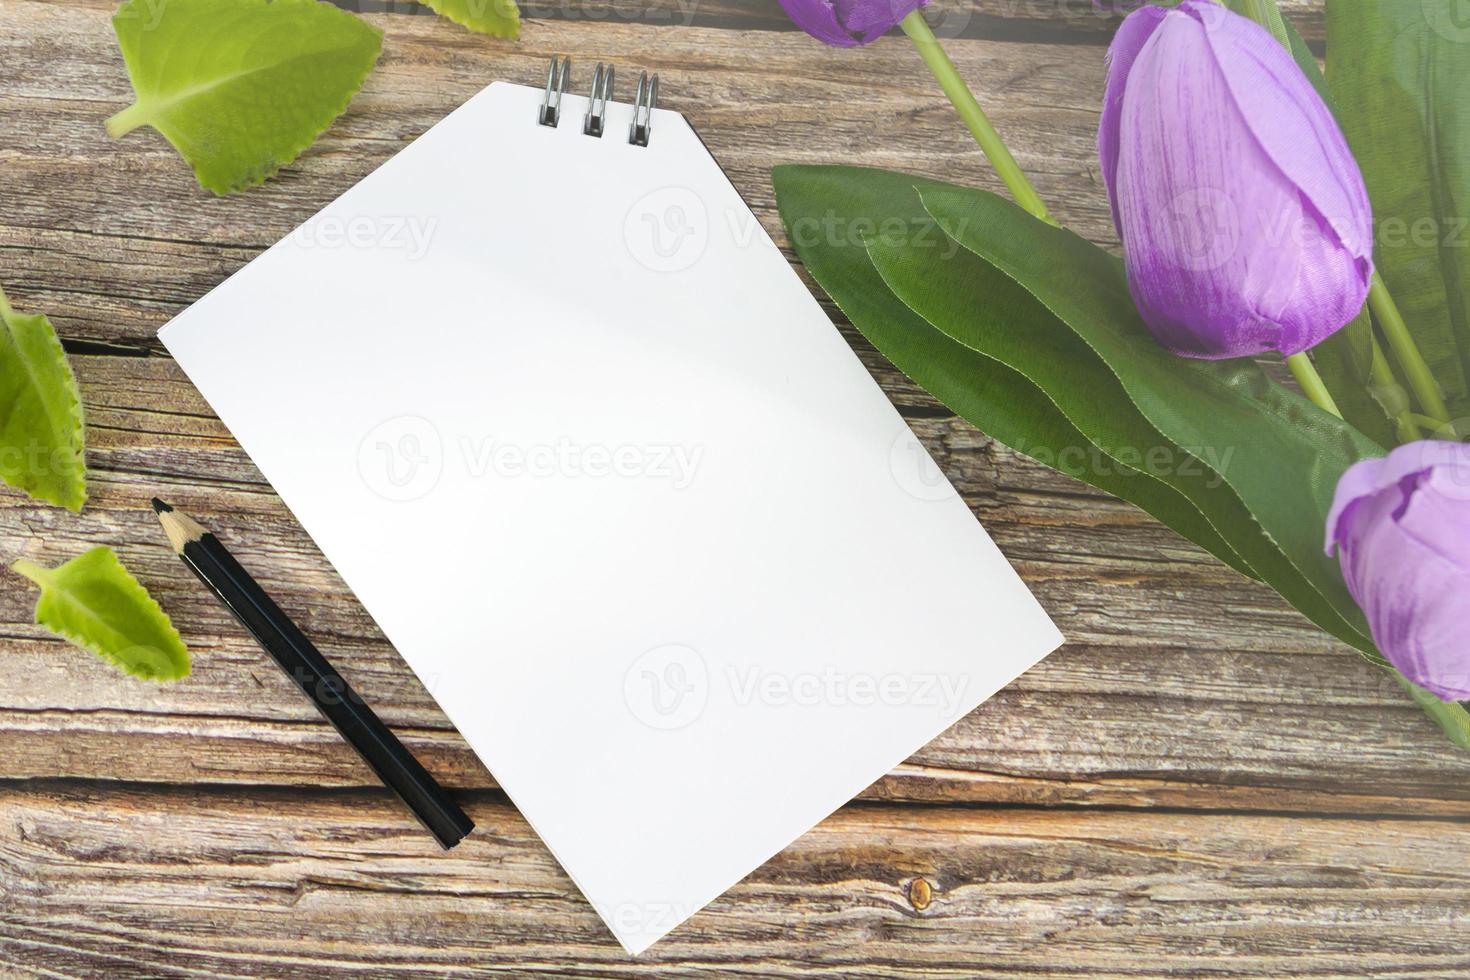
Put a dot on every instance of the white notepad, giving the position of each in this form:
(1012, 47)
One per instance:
(592, 456)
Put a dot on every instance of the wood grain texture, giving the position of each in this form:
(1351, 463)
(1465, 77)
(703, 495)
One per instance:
(172, 882)
(1199, 781)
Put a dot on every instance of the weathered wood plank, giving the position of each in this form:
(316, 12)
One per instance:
(1155, 689)
(173, 882)
(127, 239)
(1183, 687)
(1183, 683)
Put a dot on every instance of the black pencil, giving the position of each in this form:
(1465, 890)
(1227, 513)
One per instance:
(317, 678)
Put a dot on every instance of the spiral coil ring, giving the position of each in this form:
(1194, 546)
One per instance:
(594, 122)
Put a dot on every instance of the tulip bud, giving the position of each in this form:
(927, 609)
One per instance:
(845, 23)
(1245, 224)
(1401, 529)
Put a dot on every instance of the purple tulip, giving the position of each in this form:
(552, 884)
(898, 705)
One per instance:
(1401, 528)
(1245, 224)
(845, 23)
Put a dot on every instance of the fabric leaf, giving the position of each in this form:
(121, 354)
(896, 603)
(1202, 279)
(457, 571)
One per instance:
(1286, 453)
(824, 209)
(1399, 77)
(93, 602)
(1345, 359)
(41, 442)
(498, 18)
(240, 87)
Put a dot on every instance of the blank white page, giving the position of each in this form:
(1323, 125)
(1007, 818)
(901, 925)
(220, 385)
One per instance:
(591, 455)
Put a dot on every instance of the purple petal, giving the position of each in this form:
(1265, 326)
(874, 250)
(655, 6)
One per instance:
(871, 19)
(846, 23)
(819, 19)
(1414, 599)
(1448, 462)
(1203, 216)
(1132, 34)
(1226, 256)
(1401, 528)
(1269, 89)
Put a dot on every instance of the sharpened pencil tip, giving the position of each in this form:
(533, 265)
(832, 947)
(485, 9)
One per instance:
(159, 507)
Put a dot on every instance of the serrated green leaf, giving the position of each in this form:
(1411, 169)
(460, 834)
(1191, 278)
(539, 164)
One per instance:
(498, 18)
(41, 440)
(240, 87)
(826, 211)
(93, 602)
(1400, 74)
(1286, 454)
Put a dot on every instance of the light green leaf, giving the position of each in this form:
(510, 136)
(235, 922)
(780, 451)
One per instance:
(498, 18)
(1286, 454)
(41, 441)
(93, 602)
(240, 87)
(1400, 74)
(827, 211)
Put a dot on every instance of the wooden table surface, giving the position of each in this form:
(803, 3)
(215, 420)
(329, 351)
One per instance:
(1198, 783)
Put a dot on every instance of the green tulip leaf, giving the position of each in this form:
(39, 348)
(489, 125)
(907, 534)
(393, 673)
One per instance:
(1286, 454)
(93, 602)
(1400, 74)
(1345, 359)
(827, 211)
(240, 87)
(498, 18)
(41, 440)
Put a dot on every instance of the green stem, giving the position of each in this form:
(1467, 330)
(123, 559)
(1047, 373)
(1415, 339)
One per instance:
(1421, 380)
(1401, 342)
(36, 573)
(126, 121)
(1312, 386)
(974, 117)
(6, 312)
(1382, 379)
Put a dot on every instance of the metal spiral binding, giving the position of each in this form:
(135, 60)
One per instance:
(556, 87)
(643, 107)
(594, 123)
(602, 88)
